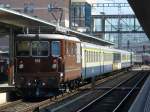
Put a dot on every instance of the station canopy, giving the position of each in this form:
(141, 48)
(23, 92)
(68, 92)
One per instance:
(142, 11)
(16, 19)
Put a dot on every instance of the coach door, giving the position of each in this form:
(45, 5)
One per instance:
(85, 62)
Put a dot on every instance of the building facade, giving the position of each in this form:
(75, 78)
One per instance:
(51, 10)
(57, 12)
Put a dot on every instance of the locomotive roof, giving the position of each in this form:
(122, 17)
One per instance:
(50, 36)
(2, 52)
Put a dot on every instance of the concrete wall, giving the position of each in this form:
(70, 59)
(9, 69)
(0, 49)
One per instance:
(3, 98)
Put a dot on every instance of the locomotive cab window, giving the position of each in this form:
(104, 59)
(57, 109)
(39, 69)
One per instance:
(40, 48)
(23, 48)
(55, 48)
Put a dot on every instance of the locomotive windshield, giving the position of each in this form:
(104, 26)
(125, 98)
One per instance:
(23, 48)
(34, 48)
(40, 48)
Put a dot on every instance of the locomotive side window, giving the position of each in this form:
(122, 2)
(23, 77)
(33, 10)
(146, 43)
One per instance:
(55, 48)
(40, 48)
(23, 48)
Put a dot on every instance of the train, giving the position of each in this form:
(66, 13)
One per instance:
(51, 62)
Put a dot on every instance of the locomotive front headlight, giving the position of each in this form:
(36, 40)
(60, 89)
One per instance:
(43, 84)
(61, 74)
(29, 83)
(21, 65)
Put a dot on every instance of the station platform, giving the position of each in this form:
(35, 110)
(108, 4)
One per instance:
(6, 87)
(142, 101)
(4, 92)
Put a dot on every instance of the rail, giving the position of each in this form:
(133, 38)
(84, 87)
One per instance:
(104, 96)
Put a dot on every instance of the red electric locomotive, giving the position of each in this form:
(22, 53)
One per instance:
(45, 62)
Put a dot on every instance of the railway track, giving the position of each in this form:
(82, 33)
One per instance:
(115, 98)
(74, 103)
(30, 106)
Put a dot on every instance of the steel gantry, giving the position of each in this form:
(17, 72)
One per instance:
(116, 22)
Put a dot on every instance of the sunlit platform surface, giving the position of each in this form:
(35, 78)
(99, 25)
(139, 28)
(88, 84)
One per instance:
(4, 90)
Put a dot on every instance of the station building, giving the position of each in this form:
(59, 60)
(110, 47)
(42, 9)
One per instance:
(64, 12)
(74, 14)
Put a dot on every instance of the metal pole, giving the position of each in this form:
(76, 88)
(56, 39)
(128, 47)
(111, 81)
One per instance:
(93, 83)
(11, 57)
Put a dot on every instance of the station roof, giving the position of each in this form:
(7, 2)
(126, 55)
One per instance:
(142, 11)
(11, 17)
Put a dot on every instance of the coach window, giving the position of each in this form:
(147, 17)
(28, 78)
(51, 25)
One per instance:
(90, 56)
(98, 56)
(87, 52)
(55, 48)
(23, 48)
(94, 56)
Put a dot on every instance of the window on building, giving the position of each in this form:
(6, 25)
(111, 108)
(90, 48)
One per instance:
(2, 5)
(80, 15)
(97, 25)
(28, 8)
(51, 6)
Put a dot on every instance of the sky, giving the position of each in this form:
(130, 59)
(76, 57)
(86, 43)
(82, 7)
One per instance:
(113, 10)
(112, 1)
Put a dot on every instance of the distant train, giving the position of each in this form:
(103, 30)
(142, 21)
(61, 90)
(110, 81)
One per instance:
(47, 62)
